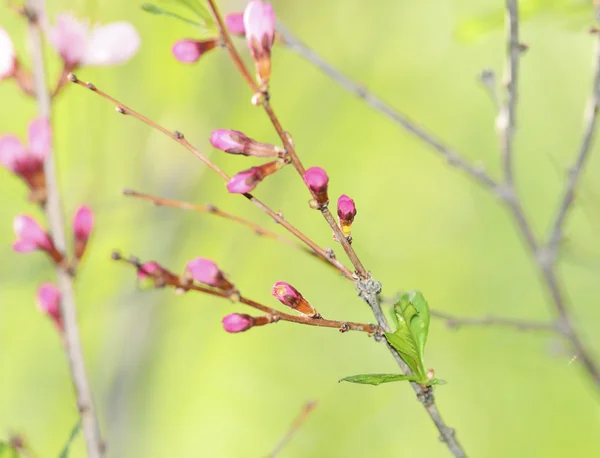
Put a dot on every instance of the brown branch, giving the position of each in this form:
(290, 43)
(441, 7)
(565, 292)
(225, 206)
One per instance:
(294, 427)
(212, 210)
(454, 321)
(179, 138)
(183, 285)
(35, 10)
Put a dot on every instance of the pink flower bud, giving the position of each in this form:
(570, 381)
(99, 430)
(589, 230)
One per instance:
(189, 51)
(27, 162)
(259, 23)
(83, 223)
(8, 60)
(234, 142)
(207, 272)
(317, 180)
(152, 275)
(30, 236)
(237, 322)
(288, 295)
(346, 213)
(247, 180)
(78, 45)
(235, 23)
(48, 302)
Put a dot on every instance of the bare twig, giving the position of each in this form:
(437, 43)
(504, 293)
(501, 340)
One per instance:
(453, 321)
(294, 427)
(35, 10)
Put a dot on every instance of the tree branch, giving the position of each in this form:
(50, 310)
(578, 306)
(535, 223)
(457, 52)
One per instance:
(35, 10)
(454, 321)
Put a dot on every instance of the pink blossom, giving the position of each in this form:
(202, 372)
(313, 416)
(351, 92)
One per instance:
(30, 235)
(317, 181)
(48, 302)
(148, 269)
(207, 272)
(7, 55)
(259, 23)
(189, 51)
(235, 142)
(83, 223)
(78, 45)
(235, 23)
(288, 295)
(237, 322)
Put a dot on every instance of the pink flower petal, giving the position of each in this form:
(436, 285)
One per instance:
(83, 223)
(111, 44)
(204, 271)
(235, 23)
(7, 55)
(40, 138)
(11, 151)
(69, 38)
(259, 23)
(24, 246)
(48, 302)
(237, 322)
(30, 233)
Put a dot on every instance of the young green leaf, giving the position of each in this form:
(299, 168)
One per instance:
(153, 9)
(378, 379)
(74, 432)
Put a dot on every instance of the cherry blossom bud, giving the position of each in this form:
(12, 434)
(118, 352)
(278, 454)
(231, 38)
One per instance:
(247, 180)
(27, 162)
(8, 60)
(317, 180)
(235, 23)
(207, 272)
(78, 44)
(189, 51)
(234, 142)
(152, 275)
(30, 236)
(239, 322)
(288, 295)
(259, 23)
(346, 213)
(48, 302)
(83, 223)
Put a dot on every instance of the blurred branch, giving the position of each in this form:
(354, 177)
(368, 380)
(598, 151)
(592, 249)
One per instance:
(452, 157)
(295, 426)
(454, 321)
(35, 11)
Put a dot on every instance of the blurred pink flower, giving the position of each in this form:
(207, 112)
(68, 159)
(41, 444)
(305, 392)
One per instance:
(48, 301)
(30, 235)
(7, 55)
(207, 272)
(189, 51)
(83, 223)
(79, 45)
(235, 23)
(259, 24)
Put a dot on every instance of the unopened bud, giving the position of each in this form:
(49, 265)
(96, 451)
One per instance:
(346, 213)
(190, 51)
(259, 25)
(288, 295)
(207, 272)
(235, 142)
(317, 181)
(48, 302)
(83, 223)
(247, 180)
(239, 322)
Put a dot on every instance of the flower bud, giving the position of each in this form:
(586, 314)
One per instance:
(83, 223)
(8, 60)
(31, 237)
(152, 275)
(234, 142)
(27, 161)
(189, 51)
(235, 23)
(346, 213)
(207, 272)
(259, 23)
(288, 295)
(317, 180)
(239, 322)
(48, 302)
(247, 180)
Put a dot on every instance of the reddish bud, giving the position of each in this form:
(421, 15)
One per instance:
(288, 295)
(151, 274)
(346, 213)
(27, 162)
(234, 142)
(189, 51)
(259, 24)
(247, 180)
(235, 23)
(239, 322)
(317, 180)
(83, 223)
(48, 302)
(207, 272)
(30, 236)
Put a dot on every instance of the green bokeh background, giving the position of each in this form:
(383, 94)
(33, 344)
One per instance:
(169, 382)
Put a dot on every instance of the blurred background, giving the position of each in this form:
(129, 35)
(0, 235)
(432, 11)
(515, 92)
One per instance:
(168, 381)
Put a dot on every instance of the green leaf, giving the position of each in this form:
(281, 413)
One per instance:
(419, 325)
(198, 8)
(67, 447)
(378, 379)
(153, 9)
(7, 450)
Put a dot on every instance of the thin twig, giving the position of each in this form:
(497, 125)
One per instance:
(182, 285)
(212, 210)
(454, 321)
(35, 10)
(179, 138)
(452, 157)
(294, 427)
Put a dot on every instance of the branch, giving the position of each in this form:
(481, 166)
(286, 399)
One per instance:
(35, 10)
(295, 426)
(453, 321)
